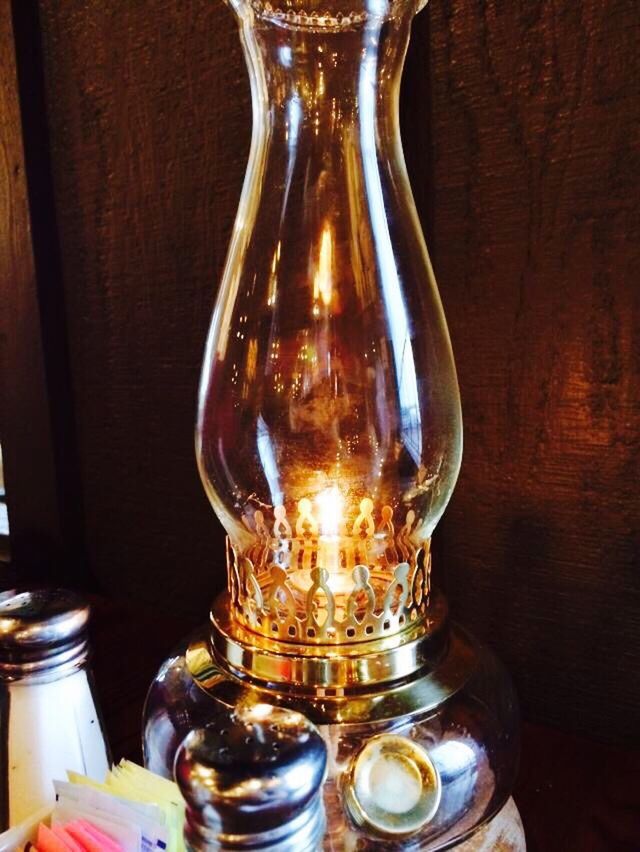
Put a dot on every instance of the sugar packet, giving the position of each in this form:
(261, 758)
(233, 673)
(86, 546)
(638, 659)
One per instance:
(149, 818)
(153, 798)
(125, 836)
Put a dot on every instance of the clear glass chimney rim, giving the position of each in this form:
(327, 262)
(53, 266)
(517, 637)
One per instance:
(324, 15)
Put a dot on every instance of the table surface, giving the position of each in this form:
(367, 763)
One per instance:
(574, 795)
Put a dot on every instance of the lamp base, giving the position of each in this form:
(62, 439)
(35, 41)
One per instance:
(504, 833)
(421, 763)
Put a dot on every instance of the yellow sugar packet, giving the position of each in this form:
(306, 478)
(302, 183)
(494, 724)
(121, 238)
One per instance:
(141, 777)
(132, 782)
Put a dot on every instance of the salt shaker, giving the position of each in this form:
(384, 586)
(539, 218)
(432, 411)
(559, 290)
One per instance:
(48, 718)
(252, 779)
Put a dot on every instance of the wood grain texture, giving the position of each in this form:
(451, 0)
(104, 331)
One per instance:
(150, 126)
(521, 127)
(34, 404)
(536, 178)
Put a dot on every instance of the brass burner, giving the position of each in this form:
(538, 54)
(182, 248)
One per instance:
(366, 580)
(329, 669)
(426, 690)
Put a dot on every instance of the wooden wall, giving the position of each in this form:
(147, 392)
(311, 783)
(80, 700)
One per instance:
(535, 116)
(521, 124)
(37, 423)
(149, 137)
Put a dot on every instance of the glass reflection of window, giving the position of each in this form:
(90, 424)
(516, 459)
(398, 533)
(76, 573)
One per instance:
(394, 304)
(4, 518)
(286, 56)
(294, 117)
(457, 764)
(268, 461)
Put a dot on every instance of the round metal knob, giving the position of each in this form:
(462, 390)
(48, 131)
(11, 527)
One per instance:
(253, 779)
(392, 787)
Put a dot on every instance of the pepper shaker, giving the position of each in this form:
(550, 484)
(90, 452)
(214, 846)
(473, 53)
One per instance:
(253, 780)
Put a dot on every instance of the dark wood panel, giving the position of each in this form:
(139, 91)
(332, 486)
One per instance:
(150, 124)
(536, 152)
(35, 408)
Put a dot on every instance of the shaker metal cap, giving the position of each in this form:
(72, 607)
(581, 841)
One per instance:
(41, 629)
(253, 779)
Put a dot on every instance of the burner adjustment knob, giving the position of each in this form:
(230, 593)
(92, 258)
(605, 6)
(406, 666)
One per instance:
(392, 787)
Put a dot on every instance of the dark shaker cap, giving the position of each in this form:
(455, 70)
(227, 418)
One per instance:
(253, 779)
(40, 629)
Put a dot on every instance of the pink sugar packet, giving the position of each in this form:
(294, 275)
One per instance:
(109, 842)
(62, 834)
(89, 841)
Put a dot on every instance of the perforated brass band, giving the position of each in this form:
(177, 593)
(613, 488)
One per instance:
(313, 668)
(368, 580)
(425, 691)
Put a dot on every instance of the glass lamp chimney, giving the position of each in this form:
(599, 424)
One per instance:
(329, 430)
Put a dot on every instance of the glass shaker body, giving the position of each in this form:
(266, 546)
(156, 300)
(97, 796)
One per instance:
(49, 721)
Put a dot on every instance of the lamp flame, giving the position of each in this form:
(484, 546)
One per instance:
(330, 505)
(322, 283)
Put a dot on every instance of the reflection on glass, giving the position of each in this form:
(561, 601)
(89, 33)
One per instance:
(4, 517)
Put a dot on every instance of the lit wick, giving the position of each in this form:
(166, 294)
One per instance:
(330, 508)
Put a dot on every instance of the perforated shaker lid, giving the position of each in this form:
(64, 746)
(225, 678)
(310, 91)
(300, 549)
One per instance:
(41, 629)
(252, 779)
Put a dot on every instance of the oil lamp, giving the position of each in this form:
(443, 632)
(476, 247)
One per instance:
(329, 441)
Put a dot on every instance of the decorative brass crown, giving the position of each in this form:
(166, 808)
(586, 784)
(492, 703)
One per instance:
(280, 586)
